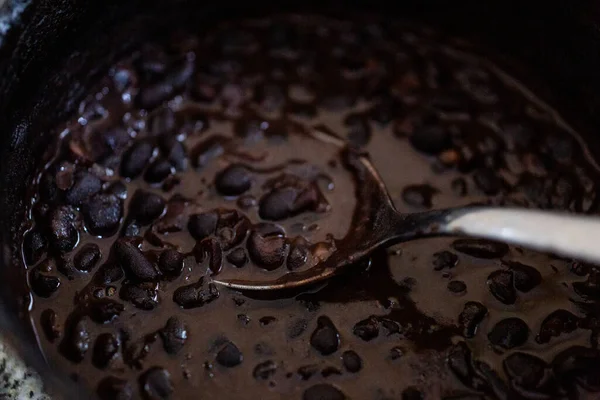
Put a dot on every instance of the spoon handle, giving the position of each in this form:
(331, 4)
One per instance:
(559, 233)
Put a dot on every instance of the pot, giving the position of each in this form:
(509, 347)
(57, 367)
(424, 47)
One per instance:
(50, 51)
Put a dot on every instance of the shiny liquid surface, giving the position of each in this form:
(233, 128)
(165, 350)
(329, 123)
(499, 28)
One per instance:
(190, 159)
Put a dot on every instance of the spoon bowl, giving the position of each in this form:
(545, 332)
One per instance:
(376, 224)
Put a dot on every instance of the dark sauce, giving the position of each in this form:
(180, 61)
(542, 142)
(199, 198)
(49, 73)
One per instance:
(190, 159)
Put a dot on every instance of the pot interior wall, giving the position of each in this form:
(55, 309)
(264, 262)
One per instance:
(48, 59)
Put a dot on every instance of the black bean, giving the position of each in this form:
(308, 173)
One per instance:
(325, 338)
(170, 263)
(229, 356)
(265, 370)
(579, 268)
(232, 228)
(87, 257)
(430, 139)
(105, 310)
(578, 364)
(589, 289)
(419, 195)
(509, 333)
(352, 361)
(470, 318)
(203, 225)
(299, 251)
(390, 325)
(64, 175)
(174, 335)
(307, 371)
(108, 273)
(367, 329)
(525, 370)
(156, 384)
(105, 144)
(133, 261)
(161, 122)
(195, 295)
(63, 264)
(102, 214)
(476, 82)
(444, 259)
(237, 257)
(501, 285)
(526, 277)
(267, 320)
(244, 319)
(330, 370)
(534, 190)
(155, 94)
(459, 362)
(62, 232)
(412, 393)
(135, 352)
(85, 186)
(42, 283)
(105, 349)
(145, 207)
(480, 248)
(555, 324)
(267, 252)
(457, 287)
(77, 339)
(487, 181)
(396, 353)
(113, 388)
(143, 296)
(233, 180)
(34, 246)
(496, 385)
(211, 248)
(288, 201)
(173, 151)
(50, 324)
(359, 131)
(323, 391)
(136, 159)
(157, 171)
(49, 192)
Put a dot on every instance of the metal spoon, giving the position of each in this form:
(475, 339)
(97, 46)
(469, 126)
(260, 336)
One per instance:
(378, 224)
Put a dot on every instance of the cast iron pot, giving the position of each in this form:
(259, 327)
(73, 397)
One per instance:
(51, 50)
